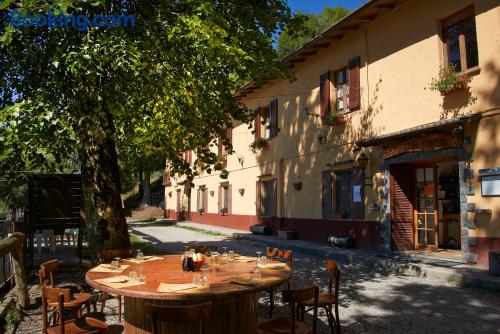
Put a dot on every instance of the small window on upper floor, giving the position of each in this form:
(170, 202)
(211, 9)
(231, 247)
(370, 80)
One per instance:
(342, 88)
(460, 41)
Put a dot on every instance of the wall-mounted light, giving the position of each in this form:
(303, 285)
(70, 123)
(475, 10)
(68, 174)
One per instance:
(321, 137)
(241, 191)
(212, 193)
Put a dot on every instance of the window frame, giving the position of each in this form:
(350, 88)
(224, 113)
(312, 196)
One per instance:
(454, 19)
(345, 91)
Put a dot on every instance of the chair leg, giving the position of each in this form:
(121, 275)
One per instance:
(329, 316)
(271, 303)
(337, 319)
(119, 308)
(103, 301)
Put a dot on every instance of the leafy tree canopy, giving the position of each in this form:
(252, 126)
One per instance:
(291, 39)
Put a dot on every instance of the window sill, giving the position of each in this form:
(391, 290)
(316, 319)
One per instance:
(471, 71)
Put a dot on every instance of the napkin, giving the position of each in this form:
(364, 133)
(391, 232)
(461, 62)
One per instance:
(275, 266)
(245, 258)
(106, 268)
(118, 282)
(146, 259)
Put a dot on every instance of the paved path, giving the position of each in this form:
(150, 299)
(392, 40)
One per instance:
(371, 301)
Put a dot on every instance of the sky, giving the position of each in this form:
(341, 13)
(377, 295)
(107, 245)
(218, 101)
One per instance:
(316, 6)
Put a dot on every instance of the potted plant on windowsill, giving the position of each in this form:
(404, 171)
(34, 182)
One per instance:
(223, 211)
(258, 144)
(334, 118)
(449, 81)
(201, 211)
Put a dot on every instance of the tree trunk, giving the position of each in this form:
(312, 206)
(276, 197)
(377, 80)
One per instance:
(106, 224)
(146, 197)
(13, 244)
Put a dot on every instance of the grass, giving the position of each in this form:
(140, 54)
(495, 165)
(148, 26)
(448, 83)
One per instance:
(146, 247)
(201, 231)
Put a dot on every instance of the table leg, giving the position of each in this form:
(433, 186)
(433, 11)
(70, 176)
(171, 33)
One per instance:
(230, 314)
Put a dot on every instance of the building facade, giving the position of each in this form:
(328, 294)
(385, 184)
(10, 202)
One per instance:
(359, 144)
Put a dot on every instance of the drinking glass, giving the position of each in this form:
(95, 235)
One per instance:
(196, 280)
(231, 255)
(141, 277)
(140, 258)
(259, 254)
(257, 272)
(133, 276)
(117, 259)
(204, 280)
(114, 265)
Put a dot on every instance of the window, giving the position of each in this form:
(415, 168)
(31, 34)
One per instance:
(460, 42)
(202, 200)
(225, 199)
(267, 198)
(342, 86)
(266, 121)
(343, 194)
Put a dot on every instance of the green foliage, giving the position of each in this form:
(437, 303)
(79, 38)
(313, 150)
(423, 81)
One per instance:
(333, 118)
(449, 80)
(12, 316)
(259, 144)
(313, 24)
(167, 85)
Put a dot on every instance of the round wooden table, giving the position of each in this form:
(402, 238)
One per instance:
(234, 305)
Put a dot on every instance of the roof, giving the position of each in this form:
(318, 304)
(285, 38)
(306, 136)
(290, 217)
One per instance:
(360, 17)
(442, 125)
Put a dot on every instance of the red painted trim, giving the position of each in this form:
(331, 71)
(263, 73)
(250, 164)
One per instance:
(482, 248)
(366, 232)
(240, 222)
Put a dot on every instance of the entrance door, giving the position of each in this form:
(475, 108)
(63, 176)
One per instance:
(425, 212)
(178, 204)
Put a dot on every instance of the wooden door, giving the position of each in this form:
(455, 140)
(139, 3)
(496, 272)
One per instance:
(425, 209)
(402, 207)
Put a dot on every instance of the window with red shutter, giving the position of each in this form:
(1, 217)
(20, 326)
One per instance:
(324, 94)
(354, 83)
(273, 118)
(257, 123)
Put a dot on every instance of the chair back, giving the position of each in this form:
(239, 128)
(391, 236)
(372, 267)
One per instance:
(296, 297)
(285, 254)
(333, 277)
(108, 255)
(179, 314)
(47, 271)
(50, 294)
(203, 249)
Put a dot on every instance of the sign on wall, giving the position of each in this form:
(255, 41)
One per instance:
(424, 143)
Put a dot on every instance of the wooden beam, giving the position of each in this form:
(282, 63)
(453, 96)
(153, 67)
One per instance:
(309, 53)
(297, 60)
(367, 18)
(353, 27)
(384, 6)
(337, 37)
(322, 45)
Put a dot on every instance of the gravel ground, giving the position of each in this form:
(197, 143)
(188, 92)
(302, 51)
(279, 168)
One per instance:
(371, 301)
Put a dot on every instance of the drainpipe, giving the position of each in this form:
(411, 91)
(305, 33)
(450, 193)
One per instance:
(282, 193)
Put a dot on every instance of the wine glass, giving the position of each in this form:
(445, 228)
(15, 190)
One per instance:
(117, 259)
(259, 254)
(140, 258)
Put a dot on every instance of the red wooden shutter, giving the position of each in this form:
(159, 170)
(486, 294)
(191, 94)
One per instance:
(205, 200)
(166, 179)
(219, 146)
(229, 199)
(358, 208)
(402, 207)
(324, 94)
(354, 89)
(327, 194)
(219, 200)
(273, 115)
(230, 135)
(257, 123)
(257, 199)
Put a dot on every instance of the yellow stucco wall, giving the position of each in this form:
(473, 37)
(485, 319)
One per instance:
(400, 53)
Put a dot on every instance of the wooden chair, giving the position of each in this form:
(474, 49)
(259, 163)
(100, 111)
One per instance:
(291, 325)
(202, 249)
(278, 254)
(109, 255)
(46, 275)
(330, 298)
(79, 325)
(180, 314)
